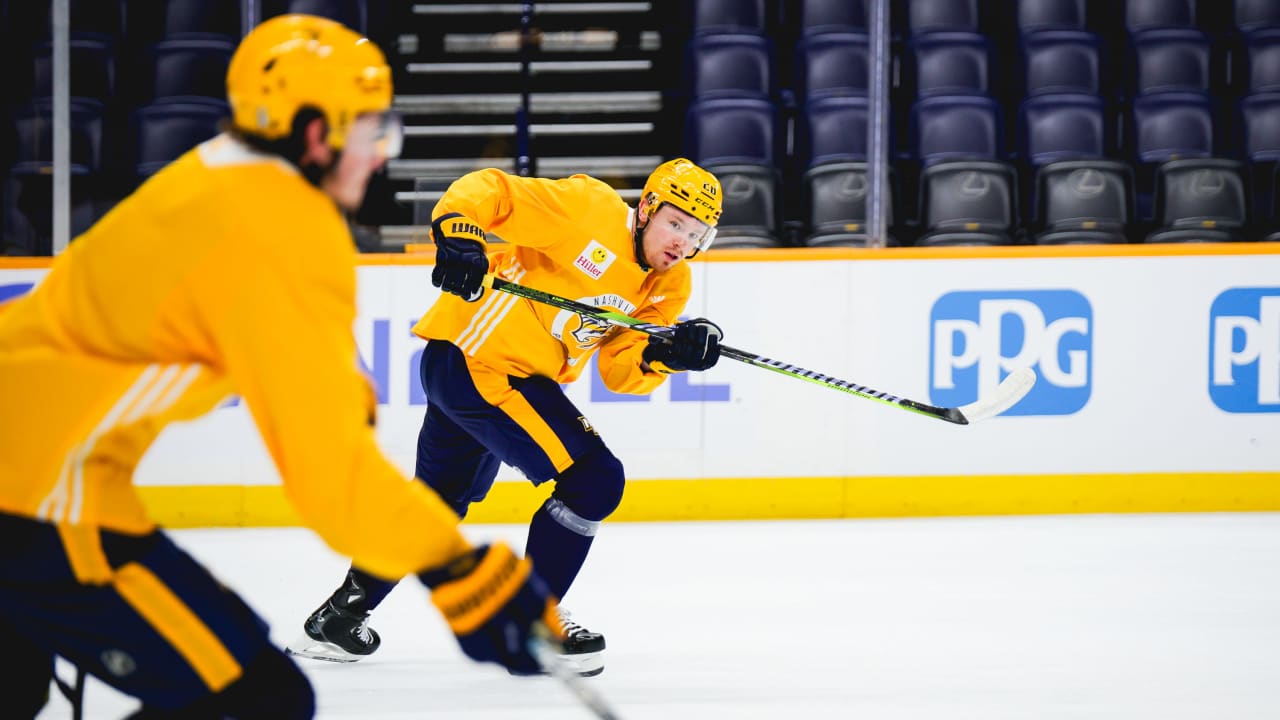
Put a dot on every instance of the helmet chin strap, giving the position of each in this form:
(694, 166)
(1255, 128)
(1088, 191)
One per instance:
(639, 240)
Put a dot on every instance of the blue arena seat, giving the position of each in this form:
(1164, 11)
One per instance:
(1264, 61)
(33, 124)
(824, 16)
(1051, 15)
(1154, 14)
(730, 65)
(1200, 200)
(956, 127)
(717, 16)
(964, 239)
(196, 67)
(951, 63)
(833, 129)
(92, 69)
(1261, 115)
(836, 197)
(833, 63)
(1083, 201)
(1254, 15)
(733, 130)
(1169, 126)
(974, 199)
(1061, 61)
(27, 202)
(165, 130)
(352, 13)
(943, 15)
(750, 214)
(1171, 60)
(1063, 127)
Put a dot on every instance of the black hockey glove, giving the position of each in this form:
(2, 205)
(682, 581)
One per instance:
(493, 602)
(694, 346)
(460, 259)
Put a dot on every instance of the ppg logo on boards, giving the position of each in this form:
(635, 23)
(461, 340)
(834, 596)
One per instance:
(1244, 350)
(979, 337)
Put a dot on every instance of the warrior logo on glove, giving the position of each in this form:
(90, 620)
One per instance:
(461, 262)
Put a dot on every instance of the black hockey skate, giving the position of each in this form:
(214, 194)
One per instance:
(338, 631)
(583, 649)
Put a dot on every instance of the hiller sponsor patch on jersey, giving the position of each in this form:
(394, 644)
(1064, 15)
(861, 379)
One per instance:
(595, 259)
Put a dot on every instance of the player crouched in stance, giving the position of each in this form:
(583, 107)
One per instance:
(493, 363)
(231, 271)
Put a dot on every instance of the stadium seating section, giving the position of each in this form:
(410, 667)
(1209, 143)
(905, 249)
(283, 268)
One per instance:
(147, 83)
(1013, 121)
(1010, 121)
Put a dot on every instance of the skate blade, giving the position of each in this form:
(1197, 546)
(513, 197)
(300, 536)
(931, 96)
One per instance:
(585, 664)
(320, 650)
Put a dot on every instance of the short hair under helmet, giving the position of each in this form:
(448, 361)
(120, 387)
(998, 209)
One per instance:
(294, 61)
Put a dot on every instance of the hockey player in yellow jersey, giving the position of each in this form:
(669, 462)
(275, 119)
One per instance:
(231, 271)
(493, 363)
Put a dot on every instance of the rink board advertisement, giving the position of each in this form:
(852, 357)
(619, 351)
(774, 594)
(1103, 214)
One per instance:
(1158, 390)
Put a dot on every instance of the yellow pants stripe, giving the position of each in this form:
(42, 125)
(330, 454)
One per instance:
(177, 624)
(83, 546)
(497, 391)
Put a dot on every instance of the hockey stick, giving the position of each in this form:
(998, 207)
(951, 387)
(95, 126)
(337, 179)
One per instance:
(1012, 389)
(542, 651)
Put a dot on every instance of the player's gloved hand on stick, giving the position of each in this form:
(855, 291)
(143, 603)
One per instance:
(493, 602)
(695, 345)
(460, 259)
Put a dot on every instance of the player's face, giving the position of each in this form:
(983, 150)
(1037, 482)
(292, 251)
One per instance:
(670, 236)
(371, 140)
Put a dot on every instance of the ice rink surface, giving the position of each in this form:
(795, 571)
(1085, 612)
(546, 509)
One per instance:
(1104, 616)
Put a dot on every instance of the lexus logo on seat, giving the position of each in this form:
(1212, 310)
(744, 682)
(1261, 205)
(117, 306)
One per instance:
(1087, 183)
(854, 186)
(739, 187)
(1208, 182)
(975, 185)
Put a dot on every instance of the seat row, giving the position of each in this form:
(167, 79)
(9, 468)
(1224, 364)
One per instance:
(148, 82)
(744, 138)
(916, 17)
(142, 22)
(972, 202)
(950, 63)
(1155, 129)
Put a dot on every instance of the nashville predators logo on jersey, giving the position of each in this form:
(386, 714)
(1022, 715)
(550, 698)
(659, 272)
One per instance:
(594, 259)
(589, 332)
(581, 334)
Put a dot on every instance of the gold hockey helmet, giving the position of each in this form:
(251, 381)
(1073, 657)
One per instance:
(293, 61)
(688, 187)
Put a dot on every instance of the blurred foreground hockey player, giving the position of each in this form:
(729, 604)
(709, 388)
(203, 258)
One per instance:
(231, 271)
(493, 363)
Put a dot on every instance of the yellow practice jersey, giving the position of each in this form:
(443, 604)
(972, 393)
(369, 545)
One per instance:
(226, 273)
(572, 237)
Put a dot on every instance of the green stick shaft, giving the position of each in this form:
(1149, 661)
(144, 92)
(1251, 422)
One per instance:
(952, 415)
